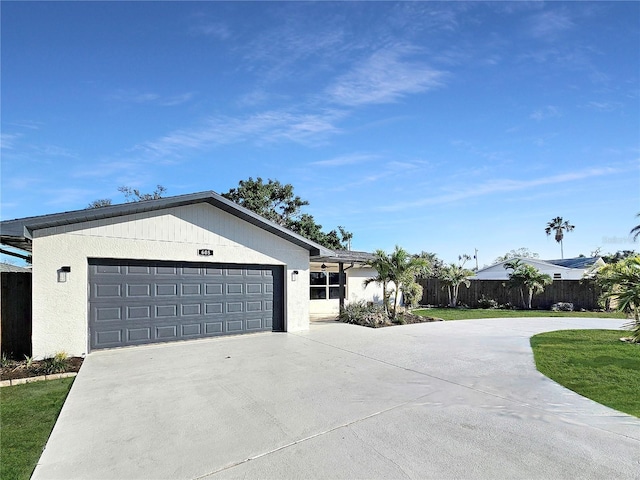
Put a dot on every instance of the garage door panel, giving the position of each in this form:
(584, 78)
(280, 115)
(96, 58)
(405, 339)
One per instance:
(134, 302)
(106, 314)
(138, 270)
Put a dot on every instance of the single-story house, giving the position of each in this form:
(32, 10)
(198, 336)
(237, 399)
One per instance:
(176, 268)
(565, 269)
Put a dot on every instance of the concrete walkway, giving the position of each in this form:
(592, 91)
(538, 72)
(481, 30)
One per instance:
(439, 400)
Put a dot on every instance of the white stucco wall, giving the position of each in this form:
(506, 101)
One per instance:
(60, 310)
(355, 290)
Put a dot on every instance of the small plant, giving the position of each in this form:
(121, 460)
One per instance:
(28, 361)
(56, 364)
(488, 303)
(562, 307)
(5, 361)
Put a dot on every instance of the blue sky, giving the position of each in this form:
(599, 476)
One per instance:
(442, 127)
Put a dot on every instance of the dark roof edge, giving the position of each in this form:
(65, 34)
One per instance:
(20, 227)
(345, 256)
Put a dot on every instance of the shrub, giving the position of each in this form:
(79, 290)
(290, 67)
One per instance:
(562, 307)
(412, 294)
(364, 313)
(484, 302)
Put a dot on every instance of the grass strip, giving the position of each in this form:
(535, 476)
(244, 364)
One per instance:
(475, 313)
(593, 363)
(27, 414)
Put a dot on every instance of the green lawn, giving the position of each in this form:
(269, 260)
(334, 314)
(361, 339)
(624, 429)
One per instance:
(473, 313)
(593, 363)
(27, 415)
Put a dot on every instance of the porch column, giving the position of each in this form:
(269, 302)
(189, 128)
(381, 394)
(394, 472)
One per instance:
(341, 285)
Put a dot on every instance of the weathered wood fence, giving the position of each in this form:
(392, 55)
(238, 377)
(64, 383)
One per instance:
(15, 314)
(583, 294)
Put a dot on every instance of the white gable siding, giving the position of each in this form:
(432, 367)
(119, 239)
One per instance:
(60, 309)
(498, 272)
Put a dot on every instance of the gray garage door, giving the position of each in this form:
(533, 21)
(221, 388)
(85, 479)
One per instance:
(138, 302)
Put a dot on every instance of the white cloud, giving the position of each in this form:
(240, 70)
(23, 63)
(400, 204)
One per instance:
(216, 30)
(7, 140)
(547, 25)
(604, 106)
(345, 160)
(128, 96)
(500, 186)
(268, 126)
(385, 77)
(543, 113)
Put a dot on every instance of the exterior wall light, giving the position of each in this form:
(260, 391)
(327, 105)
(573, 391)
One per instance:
(294, 275)
(63, 273)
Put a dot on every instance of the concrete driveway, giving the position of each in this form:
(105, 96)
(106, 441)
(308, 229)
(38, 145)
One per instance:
(440, 400)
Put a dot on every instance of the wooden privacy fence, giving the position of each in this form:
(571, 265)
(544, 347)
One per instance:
(583, 295)
(15, 314)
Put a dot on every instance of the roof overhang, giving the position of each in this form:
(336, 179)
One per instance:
(18, 233)
(344, 256)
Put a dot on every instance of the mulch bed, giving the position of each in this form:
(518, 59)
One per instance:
(19, 369)
(405, 318)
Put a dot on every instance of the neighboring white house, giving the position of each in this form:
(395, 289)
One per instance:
(176, 268)
(566, 269)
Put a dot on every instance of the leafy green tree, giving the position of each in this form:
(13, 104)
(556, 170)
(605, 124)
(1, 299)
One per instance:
(559, 226)
(432, 267)
(619, 255)
(620, 281)
(400, 268)
(519, 253)
(527, 278)
(101, 202)
(134, 195)
(454, 275)
(277, 202)
(272, 200)
(131, 195)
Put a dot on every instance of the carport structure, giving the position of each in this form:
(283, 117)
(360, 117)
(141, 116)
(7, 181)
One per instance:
(175, 268)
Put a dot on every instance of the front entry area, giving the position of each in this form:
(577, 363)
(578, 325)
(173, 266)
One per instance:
(136, 302)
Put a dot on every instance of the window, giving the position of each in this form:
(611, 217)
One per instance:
(318, 282)
(325, 285)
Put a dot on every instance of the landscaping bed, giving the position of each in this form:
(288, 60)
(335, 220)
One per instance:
(14, 369)
(374, 316)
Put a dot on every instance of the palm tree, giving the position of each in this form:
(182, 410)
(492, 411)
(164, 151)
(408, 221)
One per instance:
(635, 231)
(526, 278)
(399, 268)
(453, 276)
(621, 281)
(560, 226)
(380, 263)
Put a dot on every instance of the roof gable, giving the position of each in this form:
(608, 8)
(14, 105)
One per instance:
(18, 232)
(579, 263)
